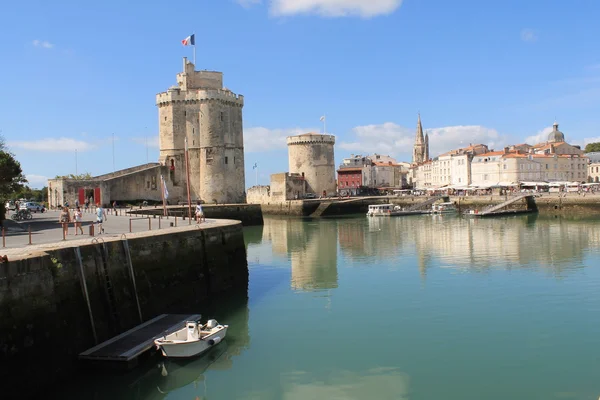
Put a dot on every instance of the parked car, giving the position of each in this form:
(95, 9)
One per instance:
(32, 206)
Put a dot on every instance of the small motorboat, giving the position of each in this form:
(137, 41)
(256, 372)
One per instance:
(192, 340)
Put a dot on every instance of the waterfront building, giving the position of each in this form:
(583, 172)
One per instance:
(593, 167)
(198, 109)
(454, 167)
(360, 174)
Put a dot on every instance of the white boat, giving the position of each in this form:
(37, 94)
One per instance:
(192, 340)
(383, 210)
(443, 208)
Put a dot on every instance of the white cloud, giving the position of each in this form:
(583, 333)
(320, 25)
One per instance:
(540, 137)
(248, 3)
(334, 8)
(36, 181)
(42, 43)
(152, 141)
(258, 138)
(62, 144)
(591, 140)
(395, 140)
(528, 35)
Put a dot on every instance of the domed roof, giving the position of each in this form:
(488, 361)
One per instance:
(556, 135)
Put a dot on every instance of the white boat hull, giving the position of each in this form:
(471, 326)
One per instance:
(191, 348)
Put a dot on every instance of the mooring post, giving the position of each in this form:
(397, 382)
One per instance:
(29, 229)
(3, 238)
(129, 225)
(149, 224)
(176, 220)
(159, 218)
(63, 226)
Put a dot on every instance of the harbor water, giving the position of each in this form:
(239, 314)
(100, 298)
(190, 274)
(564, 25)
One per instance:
(420, 307)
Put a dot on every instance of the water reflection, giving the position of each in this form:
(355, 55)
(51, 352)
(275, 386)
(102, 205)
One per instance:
(381, 383)
(311, 247)
(557, 244)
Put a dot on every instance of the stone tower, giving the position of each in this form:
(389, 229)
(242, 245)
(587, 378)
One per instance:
(421, 146)
(311, 155)
(200, 109)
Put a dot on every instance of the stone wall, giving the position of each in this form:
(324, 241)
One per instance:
(247, 214)
(44, 318)
(258, 195)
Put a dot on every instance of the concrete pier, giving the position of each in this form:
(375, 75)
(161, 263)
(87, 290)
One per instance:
(59, 299)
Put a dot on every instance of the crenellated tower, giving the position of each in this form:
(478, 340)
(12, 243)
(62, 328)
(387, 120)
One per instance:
(421, 146)
(200, 109)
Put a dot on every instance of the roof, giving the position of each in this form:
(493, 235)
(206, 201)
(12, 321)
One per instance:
(351, 169)
(491, 153)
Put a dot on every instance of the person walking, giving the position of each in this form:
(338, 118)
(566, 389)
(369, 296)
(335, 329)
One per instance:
(64, 219)
(199, 213)
(78, 218)
(100, 217)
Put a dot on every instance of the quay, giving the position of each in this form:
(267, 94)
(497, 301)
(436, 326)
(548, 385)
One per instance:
(60, 298)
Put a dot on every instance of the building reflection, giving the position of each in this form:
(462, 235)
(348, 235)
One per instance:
(555, 244)
(311, 246)
(384, 383)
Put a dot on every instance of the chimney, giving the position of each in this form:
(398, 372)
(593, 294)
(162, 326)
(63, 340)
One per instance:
(506, 150)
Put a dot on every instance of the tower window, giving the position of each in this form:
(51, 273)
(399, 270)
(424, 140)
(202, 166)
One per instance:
(226, 160)
(185, 113)
(165, 118)
(222, 116)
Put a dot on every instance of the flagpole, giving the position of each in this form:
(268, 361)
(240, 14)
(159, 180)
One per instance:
(256, 173)
(194, 36)
(187, 172)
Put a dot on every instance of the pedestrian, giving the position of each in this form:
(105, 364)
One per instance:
(199, 212)
(87, 205)
(76, 203)
(115, 207)
(100, 217)
(64, 219)
(78, 218)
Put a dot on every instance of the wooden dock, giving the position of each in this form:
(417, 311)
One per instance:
(128, 346)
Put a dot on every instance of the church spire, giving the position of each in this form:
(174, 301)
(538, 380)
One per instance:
(419, 139)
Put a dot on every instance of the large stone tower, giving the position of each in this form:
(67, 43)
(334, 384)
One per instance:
(421, 146)
(200, 109)
(311, 155)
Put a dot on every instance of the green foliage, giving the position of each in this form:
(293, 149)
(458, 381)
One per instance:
(25, 192)
(11, 174)
(83, 176)
(592, 147)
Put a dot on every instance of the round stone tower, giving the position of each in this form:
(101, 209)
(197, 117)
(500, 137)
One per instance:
(311, 155)
(209, 116)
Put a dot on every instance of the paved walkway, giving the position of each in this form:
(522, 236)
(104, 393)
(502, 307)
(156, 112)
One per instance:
(46, 231)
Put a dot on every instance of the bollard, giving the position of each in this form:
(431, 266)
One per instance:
(149, 224)
(159, 218)
(176, 220)
(3, 238)
(29, 229)
(129, 225)
(92, 229)
(63, 226)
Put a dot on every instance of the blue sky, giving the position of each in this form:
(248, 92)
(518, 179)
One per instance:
(74, 73)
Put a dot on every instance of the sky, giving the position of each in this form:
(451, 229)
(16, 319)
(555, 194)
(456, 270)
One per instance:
(77, 74)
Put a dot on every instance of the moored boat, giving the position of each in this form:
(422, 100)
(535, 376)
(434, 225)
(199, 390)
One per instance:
(383, 210)
(192, 340)
(443, 208)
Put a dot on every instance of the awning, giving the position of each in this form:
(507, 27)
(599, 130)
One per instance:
(534, 184)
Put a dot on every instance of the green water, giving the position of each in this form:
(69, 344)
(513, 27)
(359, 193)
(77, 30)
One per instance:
(401, 308)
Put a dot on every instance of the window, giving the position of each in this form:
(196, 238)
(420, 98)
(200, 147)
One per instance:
(147, 184)
(546, 166)
(185, 113)
(222, 116)
(504, 166)
(226, 160)
(165, 118)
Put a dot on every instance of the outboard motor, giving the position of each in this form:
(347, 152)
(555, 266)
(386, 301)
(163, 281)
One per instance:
(211, 323)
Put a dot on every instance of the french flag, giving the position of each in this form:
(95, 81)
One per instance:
(189, 41)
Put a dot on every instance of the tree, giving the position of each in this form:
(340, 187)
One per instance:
(83, 176)
(592, 147)
(11, 174)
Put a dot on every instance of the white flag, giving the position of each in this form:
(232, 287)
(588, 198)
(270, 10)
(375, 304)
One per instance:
(322, 118)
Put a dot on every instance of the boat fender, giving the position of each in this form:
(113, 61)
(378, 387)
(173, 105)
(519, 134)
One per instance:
(214, 341)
